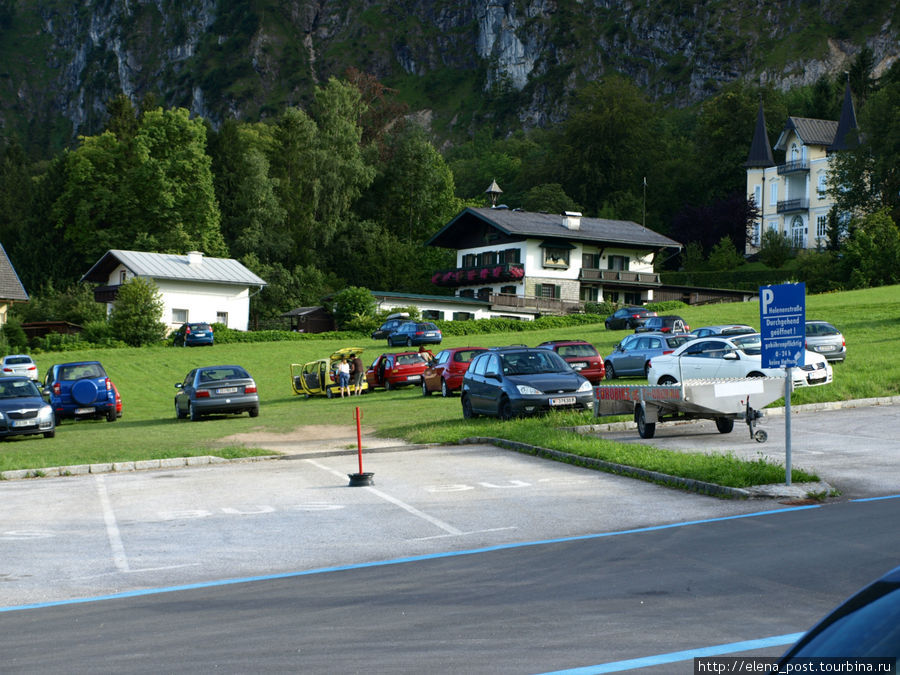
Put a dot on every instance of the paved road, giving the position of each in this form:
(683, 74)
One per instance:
(469, 559)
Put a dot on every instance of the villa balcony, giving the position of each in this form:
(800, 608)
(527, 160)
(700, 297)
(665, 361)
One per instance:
(106, 293)
(531, 303)
(793, 167)
(482, 274)
(792, 205)
(624, 277)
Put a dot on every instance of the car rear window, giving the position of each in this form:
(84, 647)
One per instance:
(410, 359)
(14, 360)
(223, 373)
(81, 371)
(426, 326)
(466, 355)
(200, 326)
(576, 350)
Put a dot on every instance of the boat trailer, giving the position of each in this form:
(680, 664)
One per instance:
(721, 400)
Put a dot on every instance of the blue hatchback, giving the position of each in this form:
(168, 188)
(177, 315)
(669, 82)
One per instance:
(193, 335)
(80, 390)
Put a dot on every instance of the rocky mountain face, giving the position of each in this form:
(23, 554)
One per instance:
(60, 61)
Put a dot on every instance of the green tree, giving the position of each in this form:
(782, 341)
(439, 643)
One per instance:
(549, 197)
(352, 303)
(871, 255)
(135, 317)
(775, 249)
(724, 256)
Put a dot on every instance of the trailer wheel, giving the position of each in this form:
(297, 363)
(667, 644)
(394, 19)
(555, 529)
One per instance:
(725, 425)
(645, 429)
(760, 436)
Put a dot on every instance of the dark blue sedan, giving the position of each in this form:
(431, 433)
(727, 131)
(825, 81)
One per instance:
(23, 411)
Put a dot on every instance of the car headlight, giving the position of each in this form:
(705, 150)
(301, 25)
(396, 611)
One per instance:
(45, 413)
(2, 416)
(585, 387)
(525, 390)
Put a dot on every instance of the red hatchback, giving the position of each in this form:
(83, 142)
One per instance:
(581, 356)
(445, 373)
(398, 369)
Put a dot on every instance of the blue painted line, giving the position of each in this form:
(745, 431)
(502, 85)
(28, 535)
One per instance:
(396, 561)
(686, 655)
(875, 499)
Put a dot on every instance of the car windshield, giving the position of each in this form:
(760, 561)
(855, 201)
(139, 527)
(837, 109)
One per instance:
(532, 363)
(749, 344)
(18, 388)
(220, 373)
(81, 371)
(576, 350)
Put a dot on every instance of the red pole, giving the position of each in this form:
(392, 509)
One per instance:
(359, 437)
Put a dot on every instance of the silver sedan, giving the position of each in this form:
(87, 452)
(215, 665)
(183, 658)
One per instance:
(216, 389)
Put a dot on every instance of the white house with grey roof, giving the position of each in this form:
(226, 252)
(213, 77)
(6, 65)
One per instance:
(518, 261)
(193, 287)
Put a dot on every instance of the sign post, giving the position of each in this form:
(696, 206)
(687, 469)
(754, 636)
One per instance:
(782, 319)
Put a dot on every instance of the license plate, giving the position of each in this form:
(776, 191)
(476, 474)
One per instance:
(565, 400)
(817, 376)
(24, 423)
(199, 334)
(826, 348)
(579, 365)
(413, 378)
(84, 411)
(227, 390)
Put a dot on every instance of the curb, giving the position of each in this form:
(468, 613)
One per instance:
(797, 491)
(124, 467)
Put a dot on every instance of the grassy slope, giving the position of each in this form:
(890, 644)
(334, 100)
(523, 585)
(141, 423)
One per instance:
(145, 378)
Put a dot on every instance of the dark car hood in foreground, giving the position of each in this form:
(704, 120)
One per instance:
(20, 402)
(548, 383)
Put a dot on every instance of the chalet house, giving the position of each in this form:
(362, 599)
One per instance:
(792, 197)
(193, 288)
(516, 262)
(11, 288)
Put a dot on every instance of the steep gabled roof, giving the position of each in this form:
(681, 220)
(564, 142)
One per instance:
(173, 267)
(526, 224)
(810, 131)
(760, 151)
(11, 288)
(845, 136)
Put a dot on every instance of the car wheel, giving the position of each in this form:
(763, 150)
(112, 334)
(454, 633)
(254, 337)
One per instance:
(755, 375)
(667, 379)
(254, 412)
(387, 385)
(647, 369)
(49, 434)
(111, 415)
(328, 392)
(56, 419)
(409, 342)
(192, 413)
(445, 390)
(610, 371)
(468, 413)
(504, 410)
(724, 424)
(178, 414)
(425, 390)
(645, 429)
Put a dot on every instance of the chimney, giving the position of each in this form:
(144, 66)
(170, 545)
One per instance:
(572, 220)
(195, 258)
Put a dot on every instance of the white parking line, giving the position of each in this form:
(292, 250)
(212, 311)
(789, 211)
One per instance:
(396, 502)
(112, 527)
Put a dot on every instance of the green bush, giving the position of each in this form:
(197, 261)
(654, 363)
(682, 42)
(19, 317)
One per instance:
(601, 308)
(225, 335)
(666, 307)
(15, 335)
(500, 325)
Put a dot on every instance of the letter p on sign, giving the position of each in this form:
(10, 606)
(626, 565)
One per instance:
(767, 296)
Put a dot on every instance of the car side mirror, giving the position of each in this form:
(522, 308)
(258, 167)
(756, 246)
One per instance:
(493, 375)
(731, 356)
(179, 385)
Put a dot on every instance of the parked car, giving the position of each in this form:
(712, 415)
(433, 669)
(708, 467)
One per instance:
(397, 369)
(581, 356)
(80, 390)
(738, 356)
(627, 317)
(23, 411)
(19, 364)
(513, 381)
(391, 324)
(724, 329)
(865, 625)
(216, 389)
(631, 357)
(445, 372)
(415, 333)
(118, 399)
(669, 323)
(319, 378)
(193, 335)
(825, 339)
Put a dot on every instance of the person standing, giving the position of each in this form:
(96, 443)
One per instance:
(344, 376)
(359, 372)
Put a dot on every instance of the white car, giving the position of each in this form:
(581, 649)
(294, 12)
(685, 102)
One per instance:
(738, 356)
(18, 364)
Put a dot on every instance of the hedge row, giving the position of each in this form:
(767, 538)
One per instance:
(747, 280)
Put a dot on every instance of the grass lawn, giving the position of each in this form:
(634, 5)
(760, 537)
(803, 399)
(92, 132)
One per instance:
(146, 377)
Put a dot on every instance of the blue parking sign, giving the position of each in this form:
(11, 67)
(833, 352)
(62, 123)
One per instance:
(782, 319)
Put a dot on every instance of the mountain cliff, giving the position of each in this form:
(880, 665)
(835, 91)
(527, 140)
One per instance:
(463, 61)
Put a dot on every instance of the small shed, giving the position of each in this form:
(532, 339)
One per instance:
(310, 320)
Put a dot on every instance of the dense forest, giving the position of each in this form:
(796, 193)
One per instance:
(345, 191)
